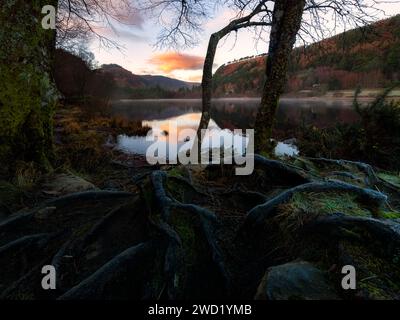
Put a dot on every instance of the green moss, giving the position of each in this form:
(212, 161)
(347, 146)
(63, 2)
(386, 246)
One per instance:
(377, 278)
(177, 171)
(305, 164)
(182, 222)
(176, 190)
(313, 204)
(27, 95)
(390, 178)
(390, 215)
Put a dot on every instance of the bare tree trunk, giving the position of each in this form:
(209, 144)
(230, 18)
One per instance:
(27, 92)
(234, 25)
(207, 88)
(206, 83)
(285, 26)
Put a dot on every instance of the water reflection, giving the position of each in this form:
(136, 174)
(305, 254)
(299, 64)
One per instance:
(177, 134)
(241, 112)
(229, 114)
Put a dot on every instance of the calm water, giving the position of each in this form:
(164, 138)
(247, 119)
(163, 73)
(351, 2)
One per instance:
(226, 114)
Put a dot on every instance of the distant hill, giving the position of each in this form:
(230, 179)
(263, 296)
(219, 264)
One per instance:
(368, 56)
(126, 79)
(75, 79)
(168, 83)
(123, 77)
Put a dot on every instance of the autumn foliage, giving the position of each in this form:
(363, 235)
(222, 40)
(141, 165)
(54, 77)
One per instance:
(368, 57)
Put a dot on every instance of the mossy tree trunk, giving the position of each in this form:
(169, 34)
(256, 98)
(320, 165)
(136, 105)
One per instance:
(286, 23)
(27, 91)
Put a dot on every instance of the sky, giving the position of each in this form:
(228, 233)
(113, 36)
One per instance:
(140, 56)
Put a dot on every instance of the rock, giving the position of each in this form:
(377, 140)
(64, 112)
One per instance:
(62, 184)
(298, 280)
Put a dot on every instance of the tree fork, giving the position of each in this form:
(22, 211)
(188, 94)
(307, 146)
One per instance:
(206, 84)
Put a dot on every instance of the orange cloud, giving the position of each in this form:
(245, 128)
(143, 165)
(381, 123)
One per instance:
(195, 78)
(172, 61)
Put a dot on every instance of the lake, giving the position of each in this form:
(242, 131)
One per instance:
(226, 115)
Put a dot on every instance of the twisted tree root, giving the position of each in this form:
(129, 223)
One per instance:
(386, 230)
(371, 179)
(5, 294)
(263, 211)
(164, 202)
(129, 261)
(86, 196)
(100, 225)
(16, 220)
(63, 201)
(206, 218)
(189, 184)
(40, 239)
(292, 173)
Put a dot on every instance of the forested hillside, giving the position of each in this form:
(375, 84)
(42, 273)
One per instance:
(368, 56)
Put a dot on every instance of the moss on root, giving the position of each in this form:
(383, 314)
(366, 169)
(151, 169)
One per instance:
(390, 215)
(377, 277)
(306, 206)
(390, 178)
(183, 223)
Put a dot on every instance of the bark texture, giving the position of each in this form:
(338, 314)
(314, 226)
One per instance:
(286, 23)
(27, 93)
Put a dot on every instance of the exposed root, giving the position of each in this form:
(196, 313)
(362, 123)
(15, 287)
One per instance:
(261, 212)
(207, 219)
(385, 230)
(100, 226)
(39, 240)
(372, 178)
(174, 245)
(16, 220)
(164, 202)
(282, 170)
(188, 184)
(86, 196)
(128, 264)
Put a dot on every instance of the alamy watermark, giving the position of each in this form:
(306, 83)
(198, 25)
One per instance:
(349, 280)
(49, 20)
(175, 146)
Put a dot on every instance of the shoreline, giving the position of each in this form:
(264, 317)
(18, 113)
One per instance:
(333, 96)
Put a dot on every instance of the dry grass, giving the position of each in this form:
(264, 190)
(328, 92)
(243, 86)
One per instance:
(72, 127)
(26, 175)
(83, 135)
(127, 127)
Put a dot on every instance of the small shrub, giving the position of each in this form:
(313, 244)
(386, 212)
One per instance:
(374, 139)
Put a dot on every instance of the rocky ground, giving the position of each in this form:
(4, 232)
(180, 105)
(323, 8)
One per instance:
(175, 232)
